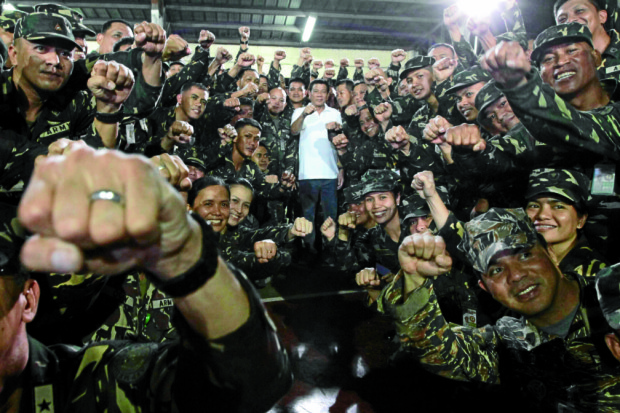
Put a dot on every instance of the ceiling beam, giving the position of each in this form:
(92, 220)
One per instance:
(321, 45)
(234, 26)
(299, 13)
(72, 4)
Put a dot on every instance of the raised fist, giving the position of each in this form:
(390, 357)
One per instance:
(279, 55)
(344, 62)
(111, 84)
(227, 134)
(317, 64)
(222, 55)
(452, 15)
(373, 63)
(244, 33)
(398, 55)
(206, 39)
(150, 37)
(383, 112)
(176, 48)
(397, 137)
(181, 132)
(246, 60)
(359, 63)
(329, 63)
(507, 63)
(265, 250)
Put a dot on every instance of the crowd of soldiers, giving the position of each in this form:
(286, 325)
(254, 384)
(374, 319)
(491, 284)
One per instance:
(443, 180)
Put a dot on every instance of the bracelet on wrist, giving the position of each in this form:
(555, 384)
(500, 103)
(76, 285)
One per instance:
(244, 42)
(110, 118)
(200, 273)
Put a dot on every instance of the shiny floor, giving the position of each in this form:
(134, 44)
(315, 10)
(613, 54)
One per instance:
(341, 351)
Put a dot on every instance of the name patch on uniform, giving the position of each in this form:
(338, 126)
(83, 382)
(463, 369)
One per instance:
(163, 303)
(63, 127)
(612, 69)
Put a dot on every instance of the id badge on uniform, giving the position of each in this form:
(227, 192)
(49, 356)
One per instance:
(604, 179)
(469, 318)
(131, 133)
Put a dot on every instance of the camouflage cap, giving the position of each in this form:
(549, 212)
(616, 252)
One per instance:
(485, 97)
(572, 185)
(12, 237)
(608, 291)
(416, 63)
(195, 162)
(74, 17)
(9, 18)
(512, 37)
(44, 26)
(493, 232)
(560, 34)
(466, 78)
(379, 180)
(354, 194)
(414, 206)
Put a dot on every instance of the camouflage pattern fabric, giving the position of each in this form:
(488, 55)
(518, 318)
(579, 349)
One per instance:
(415, 63)
(379, 180)
(196, 71)
(580, 380)
(487, 95)
(610, 65)
(8, 18)
(364, 154)
(608, 291)
(283, 148)
(136, 377)
(144, 316)
(495, 231)
(560, 34)
(469, 77)
(571, 185)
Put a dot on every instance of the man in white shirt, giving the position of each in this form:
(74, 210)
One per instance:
(318, 160)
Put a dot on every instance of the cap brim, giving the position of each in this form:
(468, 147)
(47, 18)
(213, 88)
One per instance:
(537, 53)
(82, 28)
(417, 214)
(536, 192)
(405, 72)
(378, 187)
(54, 39)
(460, 86)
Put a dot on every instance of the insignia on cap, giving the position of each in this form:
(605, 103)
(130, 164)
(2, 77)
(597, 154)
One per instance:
(58, 28)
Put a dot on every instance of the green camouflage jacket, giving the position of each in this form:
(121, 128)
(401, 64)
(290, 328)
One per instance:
(283, 148)
(544, 371)
(196, 71)
(246, 370)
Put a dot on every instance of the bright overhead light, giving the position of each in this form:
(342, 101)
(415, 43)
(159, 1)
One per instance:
(8, 6)
(477, 8)
(308, 30)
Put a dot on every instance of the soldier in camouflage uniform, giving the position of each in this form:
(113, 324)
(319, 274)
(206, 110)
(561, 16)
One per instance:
(239, 369)
(567, 192)
(548, 360)
(8, 18)
(593, 14)
(80, 30)
(69, 111)
(608, 292)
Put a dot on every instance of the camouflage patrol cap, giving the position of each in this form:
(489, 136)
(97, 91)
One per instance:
(512, 37)
(466, 78)
(379, 180)
(11, 239)
(74, 17)
(485, 97)
(608, 291)
(9, 18)
(195, 162)
(416, 63)
(493, 232)
(354, 194)
(414, 206)
(560, 34)
(572, 185)
(44, 27)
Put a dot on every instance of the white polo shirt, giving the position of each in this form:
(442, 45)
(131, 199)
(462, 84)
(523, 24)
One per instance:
(318, 158)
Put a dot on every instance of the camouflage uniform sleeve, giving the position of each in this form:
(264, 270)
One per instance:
(224, 83)
(358, 75)
(465, 53)
(403, 109)
(343, 73)
(448, 350)
(358, 255)
(273, 77)
(552, 120)
(393, 72)
(514, 22)
(452, 233)
(301, 72)
(195, 71)
(17, 155)
(84, 108)
(246, 370)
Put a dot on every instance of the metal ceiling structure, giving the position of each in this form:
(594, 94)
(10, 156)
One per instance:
(342, 24)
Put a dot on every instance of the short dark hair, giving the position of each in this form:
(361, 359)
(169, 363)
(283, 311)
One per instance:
(436, 45)
(559, 3)
(278, 87)
(262, 75)
(187, 86)
(106, 26)
(357, 83)
(297, 80)
(203, 183)
(246, 102)
(318, 82)
(127, 40)
(247, 122)
(246, 69)
(347, 82)
(262, 145)
(176, 62)
(240, 181)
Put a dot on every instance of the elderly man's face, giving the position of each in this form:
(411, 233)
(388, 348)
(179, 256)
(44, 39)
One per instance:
(115, 32)
(569, 67)
(43, 67)
(524, 280)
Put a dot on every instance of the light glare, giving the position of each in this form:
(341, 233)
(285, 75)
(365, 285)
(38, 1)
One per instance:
(477, 8)
(8, 6)
(308, 30)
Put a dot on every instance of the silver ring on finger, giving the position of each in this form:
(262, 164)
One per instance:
(107, 195)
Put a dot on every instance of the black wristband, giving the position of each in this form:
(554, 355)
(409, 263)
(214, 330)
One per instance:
(110, 117)
(242, 42)
(200, 273)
